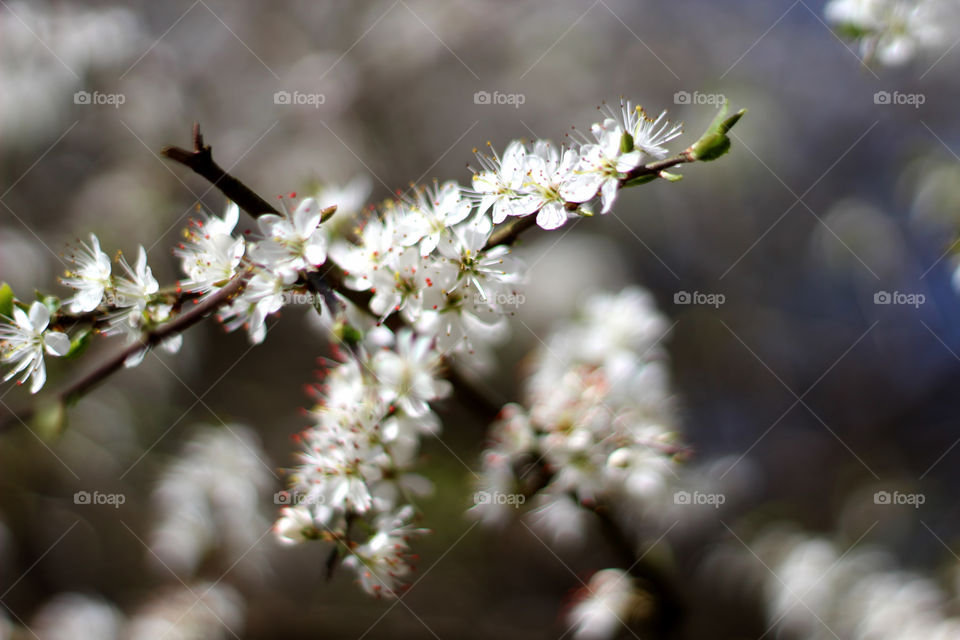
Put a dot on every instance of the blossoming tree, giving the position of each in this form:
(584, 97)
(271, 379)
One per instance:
(415, 294)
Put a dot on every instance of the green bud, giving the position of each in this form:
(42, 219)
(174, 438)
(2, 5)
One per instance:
(326, 214)
(6, 300)
(715, 142)
(351, 334)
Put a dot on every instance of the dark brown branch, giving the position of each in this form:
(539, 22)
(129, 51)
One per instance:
(148, 340)
(200, 160)
(472, 396)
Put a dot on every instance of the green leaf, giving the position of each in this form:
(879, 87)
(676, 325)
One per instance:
(671, 177)
(6, 300)
(350, 334)
(644, 179)
(79, 342)
(715, 142)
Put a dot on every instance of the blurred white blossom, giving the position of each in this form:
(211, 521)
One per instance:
(896, 31)
(210, 498)
(72, 615)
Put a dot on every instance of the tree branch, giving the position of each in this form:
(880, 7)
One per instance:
(200, 160)
(148, 340)
(661, 585)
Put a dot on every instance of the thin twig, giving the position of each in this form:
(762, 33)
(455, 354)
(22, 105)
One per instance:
(148, 340)
(200, 160)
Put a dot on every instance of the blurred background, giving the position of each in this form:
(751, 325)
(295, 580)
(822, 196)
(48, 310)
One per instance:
(826, 371)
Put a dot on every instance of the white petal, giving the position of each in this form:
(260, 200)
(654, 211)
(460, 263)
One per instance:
(39, 316)
(551, 216)
(581, 187)
(316, 250)
(56, 343)
(39, 377)
(306, 217)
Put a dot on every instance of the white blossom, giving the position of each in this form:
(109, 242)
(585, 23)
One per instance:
(210, 256)
(383, 562)
(407, 374)
(210, 496)
(603, 606)
(292, 241)
(498, 186)
(190, 611)
(296, 524)
(896, 31)
(262, 295)
(137, 284)
(91, 276)
(547, 170)
(24, 341)
(430, 213)
(378, 244)
(72, 615)
(598, 415)
(601, 166)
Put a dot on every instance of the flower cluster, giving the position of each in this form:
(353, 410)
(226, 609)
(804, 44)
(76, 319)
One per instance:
(558, 184)
(895, 31)
(415, 260)
(597, 420)
(373, 408)
(430, 282)
(427, 255)
(287, 245)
